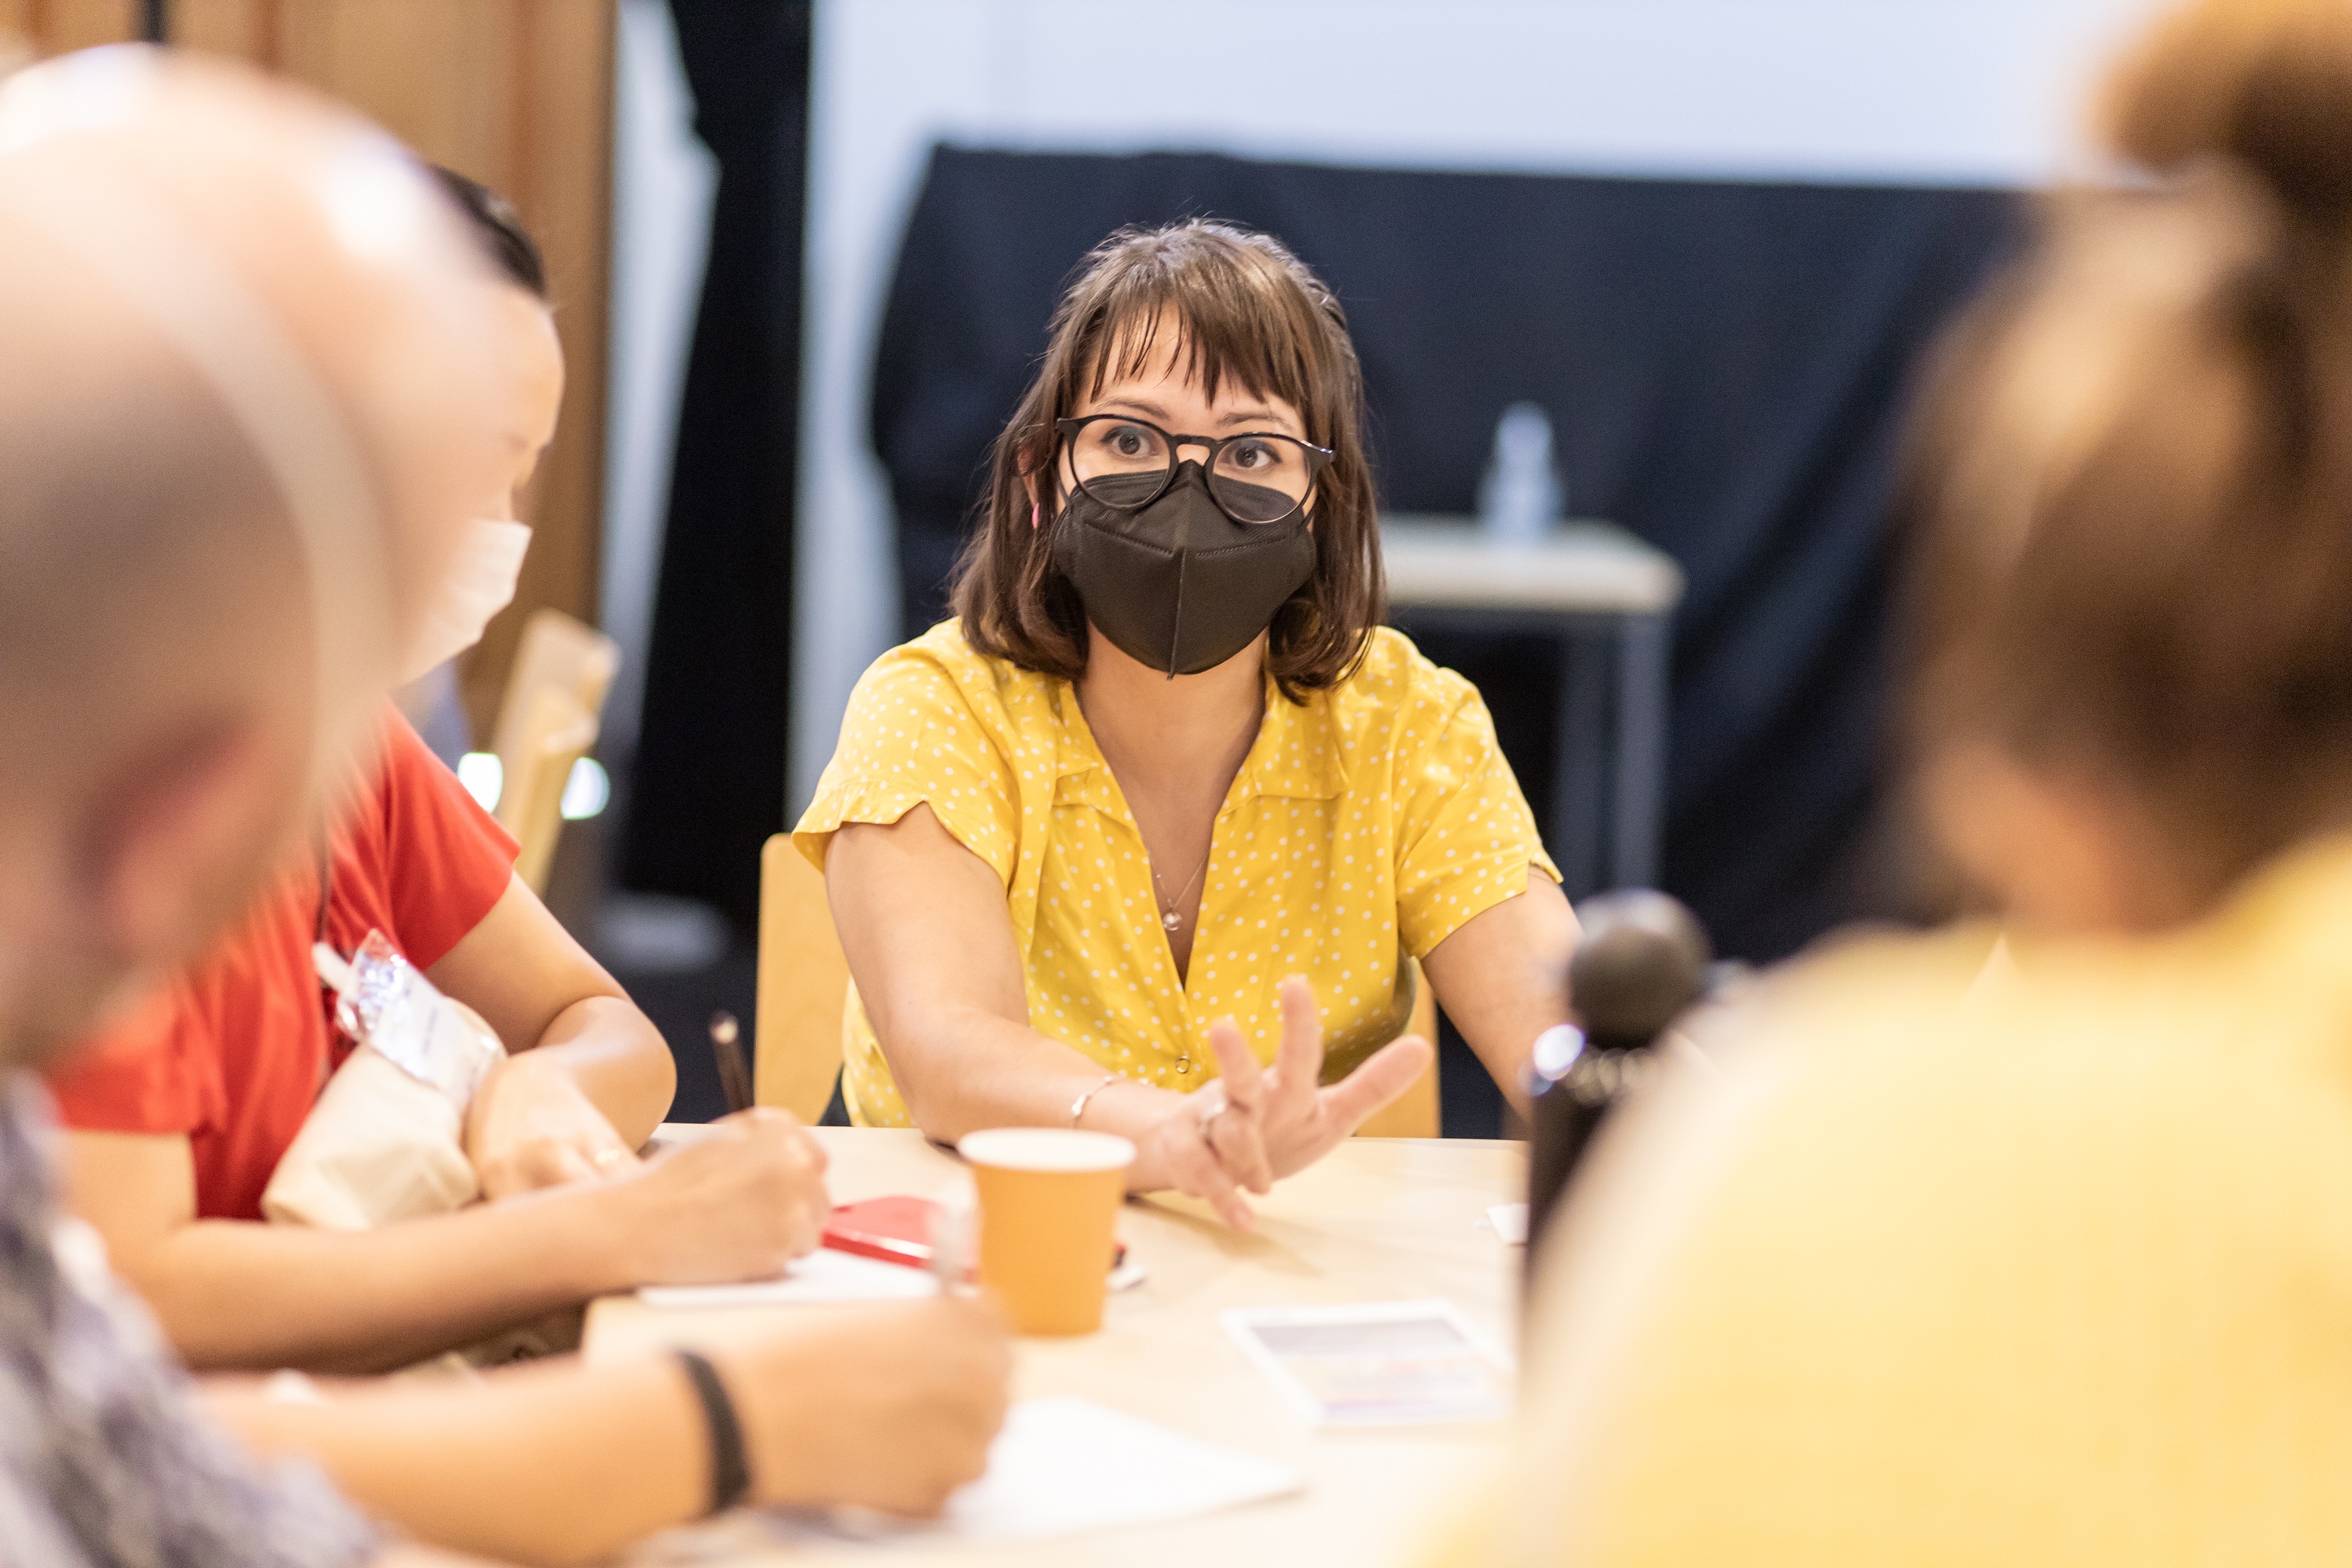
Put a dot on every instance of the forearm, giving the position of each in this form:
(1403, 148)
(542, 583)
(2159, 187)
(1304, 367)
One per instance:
(556, 1008)
(1502, 978)
(547, 1464)
(960, 1070)
(618, 1059)
(235, 1293)
(1503, 1039)
(922, 922)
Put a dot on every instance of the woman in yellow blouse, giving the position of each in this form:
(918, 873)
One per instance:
(1142, 840)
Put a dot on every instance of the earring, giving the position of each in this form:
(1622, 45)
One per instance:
(1036, 512)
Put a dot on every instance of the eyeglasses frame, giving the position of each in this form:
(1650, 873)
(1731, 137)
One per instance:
(1317, 459)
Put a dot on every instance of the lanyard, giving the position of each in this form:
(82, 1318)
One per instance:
(325, 858)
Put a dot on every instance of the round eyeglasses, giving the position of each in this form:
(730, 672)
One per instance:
(1126, 463)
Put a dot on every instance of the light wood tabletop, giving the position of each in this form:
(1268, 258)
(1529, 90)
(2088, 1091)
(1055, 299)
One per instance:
(1380, 1219)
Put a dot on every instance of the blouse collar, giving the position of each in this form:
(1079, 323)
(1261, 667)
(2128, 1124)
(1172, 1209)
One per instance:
(1295, 755)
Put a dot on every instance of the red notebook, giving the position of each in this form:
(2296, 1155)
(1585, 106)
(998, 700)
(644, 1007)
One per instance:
(898, 1230)
(895, 1230)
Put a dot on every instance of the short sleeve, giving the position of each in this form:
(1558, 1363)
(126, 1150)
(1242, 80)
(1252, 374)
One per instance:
(911, 737)
(157, 1071)
(446, 862)
(1465, 839)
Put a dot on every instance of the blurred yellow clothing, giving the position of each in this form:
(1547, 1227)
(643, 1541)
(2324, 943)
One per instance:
(1366, 823)
(2063, 1277)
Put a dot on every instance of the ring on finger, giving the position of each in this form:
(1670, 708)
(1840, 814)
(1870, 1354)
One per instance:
(607, 1158)
(1211, 1120)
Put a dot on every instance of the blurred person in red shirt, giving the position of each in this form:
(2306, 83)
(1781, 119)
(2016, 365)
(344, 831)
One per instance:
(180, 1115)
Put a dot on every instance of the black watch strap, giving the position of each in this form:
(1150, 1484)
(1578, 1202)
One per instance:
(730, 1468)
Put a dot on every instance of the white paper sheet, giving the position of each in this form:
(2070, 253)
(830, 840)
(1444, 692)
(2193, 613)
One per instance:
(1065, 1465)
(1510, 1222)
(1376, 1364)
(823, 1274)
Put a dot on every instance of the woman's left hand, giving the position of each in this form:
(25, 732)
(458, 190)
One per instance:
(1265, 1123)
(531, 1125)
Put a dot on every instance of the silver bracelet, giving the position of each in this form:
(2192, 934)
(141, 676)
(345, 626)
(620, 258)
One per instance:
(1079, 1106)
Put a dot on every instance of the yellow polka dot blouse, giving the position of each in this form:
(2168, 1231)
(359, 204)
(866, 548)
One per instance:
(1365, 825)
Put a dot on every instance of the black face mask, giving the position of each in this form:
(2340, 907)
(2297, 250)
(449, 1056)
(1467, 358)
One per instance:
(1178, 584)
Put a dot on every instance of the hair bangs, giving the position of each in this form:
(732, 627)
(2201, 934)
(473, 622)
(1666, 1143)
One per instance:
(1213, 322)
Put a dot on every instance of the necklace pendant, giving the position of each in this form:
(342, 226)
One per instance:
(1170, 920)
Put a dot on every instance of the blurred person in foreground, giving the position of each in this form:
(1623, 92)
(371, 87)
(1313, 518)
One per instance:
(2064, 1277)
(207, 551)
(179, 1117)
(237, 419)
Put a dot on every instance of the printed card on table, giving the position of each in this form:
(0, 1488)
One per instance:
(1377, 1364)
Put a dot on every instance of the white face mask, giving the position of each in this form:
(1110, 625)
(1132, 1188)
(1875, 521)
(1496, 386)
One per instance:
(480, 584)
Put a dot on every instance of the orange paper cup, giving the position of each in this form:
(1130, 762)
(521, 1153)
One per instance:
(1048, 1200)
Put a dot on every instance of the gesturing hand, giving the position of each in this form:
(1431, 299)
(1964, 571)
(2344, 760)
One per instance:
(1256, 1125)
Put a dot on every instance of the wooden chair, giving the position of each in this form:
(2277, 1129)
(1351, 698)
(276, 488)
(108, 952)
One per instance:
(555, 650)
(547, 722)
(803, 980)
(1413, 1113)
(553, 737)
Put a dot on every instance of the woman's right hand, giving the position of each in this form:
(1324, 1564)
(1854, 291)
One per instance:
(1252, 1126)
(738, 1202)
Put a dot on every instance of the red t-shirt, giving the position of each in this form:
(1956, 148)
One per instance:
(235, 1052)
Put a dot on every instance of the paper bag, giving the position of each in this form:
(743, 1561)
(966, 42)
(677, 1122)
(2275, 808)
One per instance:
(379, 1146)
(386, 1139)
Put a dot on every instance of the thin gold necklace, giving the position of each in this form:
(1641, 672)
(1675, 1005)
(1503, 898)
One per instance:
(1171, 910)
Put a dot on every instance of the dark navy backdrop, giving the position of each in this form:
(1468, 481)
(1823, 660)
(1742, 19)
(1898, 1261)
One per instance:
(1726, 365)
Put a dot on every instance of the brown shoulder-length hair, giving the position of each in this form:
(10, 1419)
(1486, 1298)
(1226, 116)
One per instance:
(1244, 309)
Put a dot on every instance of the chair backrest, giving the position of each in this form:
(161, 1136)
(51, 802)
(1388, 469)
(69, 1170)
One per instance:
(547, 721)
(554, 736)
(1413, 1113)
(556, 650)
(804, 981)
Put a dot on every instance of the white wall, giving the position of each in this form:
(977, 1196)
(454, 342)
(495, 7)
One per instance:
(1908, 90)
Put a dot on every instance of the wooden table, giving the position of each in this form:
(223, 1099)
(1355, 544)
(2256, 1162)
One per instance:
(1381, 1219)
